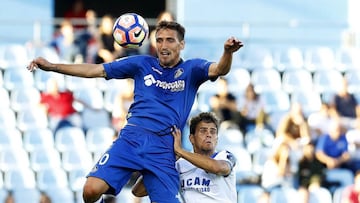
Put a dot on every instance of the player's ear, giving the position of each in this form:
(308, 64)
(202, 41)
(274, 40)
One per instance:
(191, 138)
(182, 44)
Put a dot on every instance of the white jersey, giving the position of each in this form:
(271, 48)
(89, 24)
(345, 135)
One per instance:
(197, 185)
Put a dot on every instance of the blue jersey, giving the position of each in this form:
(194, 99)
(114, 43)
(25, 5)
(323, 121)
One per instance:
(163, 97)
(332, 148)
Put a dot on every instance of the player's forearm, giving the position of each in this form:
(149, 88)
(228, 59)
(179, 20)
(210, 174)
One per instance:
(79, 70)
(224, 64)
(208, 164)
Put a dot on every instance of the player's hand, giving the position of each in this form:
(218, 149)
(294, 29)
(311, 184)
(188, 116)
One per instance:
(232, 44)
(177, 139)
(39, 63)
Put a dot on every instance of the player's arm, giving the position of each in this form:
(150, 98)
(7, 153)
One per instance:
(79, 70)
(223, 66)
(219, 167)
(138, 188)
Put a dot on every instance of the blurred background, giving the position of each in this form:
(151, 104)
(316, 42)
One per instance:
(296, 51)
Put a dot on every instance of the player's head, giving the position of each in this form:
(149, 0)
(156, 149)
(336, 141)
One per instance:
(204, 132)
(172, 25)
(169, 37)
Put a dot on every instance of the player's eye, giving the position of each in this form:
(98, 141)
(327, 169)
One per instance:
(211, 131)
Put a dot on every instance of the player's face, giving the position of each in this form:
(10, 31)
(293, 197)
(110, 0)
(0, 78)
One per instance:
(168, 47)
(205, 138)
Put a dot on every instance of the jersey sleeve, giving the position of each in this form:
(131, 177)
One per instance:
(228, 157)
(201, 72)
(125, 67)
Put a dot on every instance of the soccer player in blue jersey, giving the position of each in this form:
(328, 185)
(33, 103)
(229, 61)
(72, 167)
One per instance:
(164, 92)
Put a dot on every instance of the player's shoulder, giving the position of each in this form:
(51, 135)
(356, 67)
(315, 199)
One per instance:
(195, 60)
(226, 155)
(138, 57)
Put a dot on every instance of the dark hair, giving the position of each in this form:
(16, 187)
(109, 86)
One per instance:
(172, 26)
(207, 117)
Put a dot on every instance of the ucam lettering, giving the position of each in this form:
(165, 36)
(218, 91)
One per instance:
(175, 86)
(195, 181)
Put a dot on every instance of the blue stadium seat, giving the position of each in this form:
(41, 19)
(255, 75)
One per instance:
(342, 176)
(260, 157)
(38, 138)
(17, 78)
(76, 159)
(289, 58)
(51, 178)
(327, 81)
(110, 95)
(258, 138)
(244, 167)
(44, 158)
(88, 98)
(347, 59)
(296, 79)
(238, 79)
(95, 117)
(309, 100)
(319, 58)
(14, 56)
(320, 194)
(72, 83)
(275, 101)
(230, 138)
(99, 138)
(284, 195)
(7, 118)
(3, 194)
(69, 138)
(77, 178)
(5, 98)
(337, 194)
(249, 193)
(41, 78)
(257, 57)
(10, 139)
(47, 52)
(266, 80)
(353, 77)
(60, 195)
(24, 98)
(28, 195)
(19, 179)
(31, 118)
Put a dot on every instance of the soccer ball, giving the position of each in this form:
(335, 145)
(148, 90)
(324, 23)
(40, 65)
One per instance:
(130, 30)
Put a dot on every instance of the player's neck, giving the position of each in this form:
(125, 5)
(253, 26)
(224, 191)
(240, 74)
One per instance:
(180, 60)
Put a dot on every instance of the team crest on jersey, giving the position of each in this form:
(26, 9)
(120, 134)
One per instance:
(178, 73)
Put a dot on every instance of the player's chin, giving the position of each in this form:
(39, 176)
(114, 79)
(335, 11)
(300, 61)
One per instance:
(164, 61)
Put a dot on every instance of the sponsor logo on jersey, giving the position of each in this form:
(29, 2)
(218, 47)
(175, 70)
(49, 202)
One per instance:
(178, 85)
(196, 181)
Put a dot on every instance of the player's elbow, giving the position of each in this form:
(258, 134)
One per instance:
(221, 169)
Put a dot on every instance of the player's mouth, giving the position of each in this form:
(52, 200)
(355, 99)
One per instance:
(165, 53)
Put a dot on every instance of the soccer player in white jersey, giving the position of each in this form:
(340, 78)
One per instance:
(205, 174)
